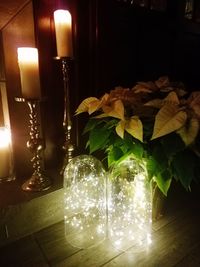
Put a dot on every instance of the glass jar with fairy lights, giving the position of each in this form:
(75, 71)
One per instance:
(129, 205)
(84, 201)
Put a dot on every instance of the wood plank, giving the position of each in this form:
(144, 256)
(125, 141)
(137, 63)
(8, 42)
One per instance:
(195, 253)
(175, 205)
(167, 218)
(95, 256)
(24, 252)
(42, 211)
(191, 260)
(170, 244)
(53, 243)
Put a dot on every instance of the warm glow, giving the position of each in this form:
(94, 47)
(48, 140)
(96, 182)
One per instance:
(62, 16)
(83, 202)
(129, 207)
(84, 198)
(29, 72)
(63, 30)
(5, 153)
(27, 54)
(125, 215)
(5, 137)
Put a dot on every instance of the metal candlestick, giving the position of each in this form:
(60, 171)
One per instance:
(68, 146)
(38, 181)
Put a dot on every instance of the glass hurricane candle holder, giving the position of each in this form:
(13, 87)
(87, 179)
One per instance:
(6, 156)
(129, 206)
(85, 201)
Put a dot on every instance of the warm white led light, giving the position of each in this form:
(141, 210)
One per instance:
(129, 206)
(85, 201)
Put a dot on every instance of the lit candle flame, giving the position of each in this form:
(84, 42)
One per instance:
(5, 137)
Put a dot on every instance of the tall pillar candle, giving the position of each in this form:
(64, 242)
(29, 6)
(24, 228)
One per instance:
(29, 72)
(5, 153)
(63, 29)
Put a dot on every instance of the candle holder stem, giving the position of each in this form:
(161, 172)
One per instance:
(67, 123)
(38, 181)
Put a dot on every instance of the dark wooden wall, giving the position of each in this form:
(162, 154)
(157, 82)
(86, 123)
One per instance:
(2, 80)
(138, 43)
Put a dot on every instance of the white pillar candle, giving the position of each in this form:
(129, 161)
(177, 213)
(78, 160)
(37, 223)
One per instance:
(63, 29)
(5, 153)
(29, 72)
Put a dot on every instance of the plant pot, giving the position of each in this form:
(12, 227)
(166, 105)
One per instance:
(158, 203)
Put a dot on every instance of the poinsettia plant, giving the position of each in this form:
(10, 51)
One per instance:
(157, 122)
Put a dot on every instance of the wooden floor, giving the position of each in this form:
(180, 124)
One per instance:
(176, 242)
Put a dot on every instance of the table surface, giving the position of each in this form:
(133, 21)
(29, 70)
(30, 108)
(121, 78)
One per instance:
(176, 242)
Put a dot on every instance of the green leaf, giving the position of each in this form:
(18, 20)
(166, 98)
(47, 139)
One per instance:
(152, 167)
(137, 149)
(148, 125)
(184, 164)
(87, 144)
(111, 123)
(91, 124)
(115, 140)
(158, 167)
(98, 139)
(163, 180)
(171, 144)
(114, 154)
(159, 156)
(124, 144)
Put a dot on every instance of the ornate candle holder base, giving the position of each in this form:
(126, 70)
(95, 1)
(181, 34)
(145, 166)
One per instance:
(38, 181)
(9, 178)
